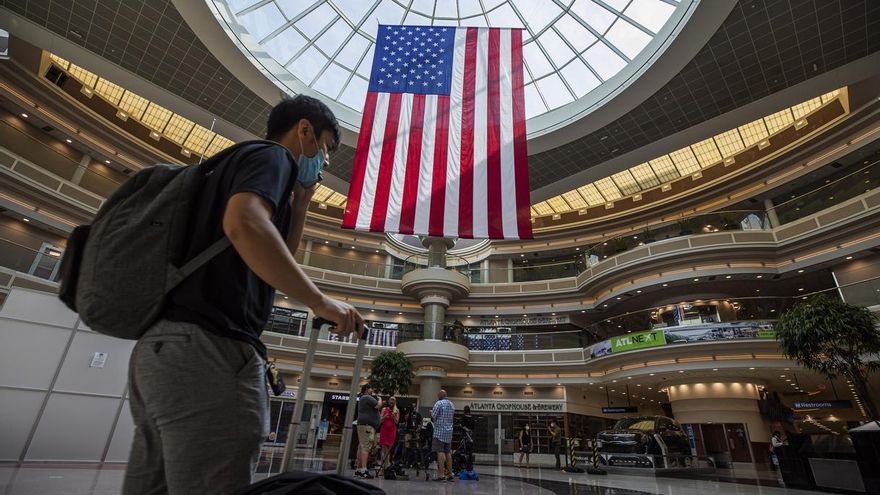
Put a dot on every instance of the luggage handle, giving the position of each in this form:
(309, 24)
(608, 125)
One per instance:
(325, 324)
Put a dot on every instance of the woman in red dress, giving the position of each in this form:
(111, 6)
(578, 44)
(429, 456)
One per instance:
(388, 431)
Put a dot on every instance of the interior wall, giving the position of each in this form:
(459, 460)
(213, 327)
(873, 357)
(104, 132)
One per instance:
(54, 406)
(498, 271)
(347, 260)
(856, 271)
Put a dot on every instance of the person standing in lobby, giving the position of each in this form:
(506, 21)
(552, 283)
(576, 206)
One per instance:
(525, 445)
(556, 442)
(388, 431)
(443, 412)
(367, 425)
(198, 384)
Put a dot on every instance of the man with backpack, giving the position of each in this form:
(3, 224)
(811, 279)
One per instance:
(198, 374)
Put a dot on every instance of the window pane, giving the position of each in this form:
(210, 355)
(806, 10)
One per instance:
(109, 91)
(178, 129)
(156, 117)
(730, 143)
(591, 194)
(664, 169)
(575, 200)
(604, 60)
(753, 132)
(133, 104)
(685, 161)
(778, 120)
(706, 152)
(628, 38)
(652, 14)
(198, 140)
(644, 175)
(626, 183)
(608, 189)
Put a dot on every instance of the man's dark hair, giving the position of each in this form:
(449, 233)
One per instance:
(291, 110)
(364, 388)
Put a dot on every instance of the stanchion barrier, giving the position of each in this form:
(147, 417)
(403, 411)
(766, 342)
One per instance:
(595, 468)
(571, 459)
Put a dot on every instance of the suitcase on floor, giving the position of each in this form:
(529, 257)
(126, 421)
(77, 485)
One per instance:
(306, 483)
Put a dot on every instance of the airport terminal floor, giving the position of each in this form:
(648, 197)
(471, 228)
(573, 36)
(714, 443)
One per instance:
(106, 480)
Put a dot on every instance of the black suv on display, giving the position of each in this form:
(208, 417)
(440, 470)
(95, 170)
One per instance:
(642, 436)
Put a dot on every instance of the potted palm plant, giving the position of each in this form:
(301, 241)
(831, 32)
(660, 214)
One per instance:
(391, 373)
(648, 235)
(619, 244)
(834, 339)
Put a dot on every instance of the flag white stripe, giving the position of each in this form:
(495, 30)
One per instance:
(374, 157)
(453, 162)
(398, 173)
(508, 172)
(481, 131)
(426, 167)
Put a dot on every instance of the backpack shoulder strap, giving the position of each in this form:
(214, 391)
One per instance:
(205, 256)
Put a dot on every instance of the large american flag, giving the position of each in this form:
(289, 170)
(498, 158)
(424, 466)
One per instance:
(442, 145)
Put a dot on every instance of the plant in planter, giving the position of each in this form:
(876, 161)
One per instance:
(833, 338)
(685, 226)
(391, 373)
(619, 244)
(648, 236)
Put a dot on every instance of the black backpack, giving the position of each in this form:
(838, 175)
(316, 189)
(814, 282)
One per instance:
(117, 272)
(305, 483)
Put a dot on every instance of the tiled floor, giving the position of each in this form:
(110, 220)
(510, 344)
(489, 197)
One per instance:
(42, 479)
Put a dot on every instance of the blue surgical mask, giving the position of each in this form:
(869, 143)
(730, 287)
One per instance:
(309, 172)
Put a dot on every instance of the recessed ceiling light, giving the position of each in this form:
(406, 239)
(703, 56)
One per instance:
(681, 371)
(604, 305)
(760, 276)
(751, 368)
(577, 249)
(26, 219)
(285, 297)
(849, 257)
(326, 242)
(24, 115)
(650, 374)
(372, 311)
(107, 162)
(801, 289)
(639, 291)
(69, 141)
(619, 298)
(665, 285)
(583, 311)
(801, 271)
(399, 313)
(352, 247)
(696, 280)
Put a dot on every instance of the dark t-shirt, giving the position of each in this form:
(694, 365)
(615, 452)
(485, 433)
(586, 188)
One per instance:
(368, 415)
(224, 296)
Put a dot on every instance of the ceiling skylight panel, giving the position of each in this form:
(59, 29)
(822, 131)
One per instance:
(729, 143)
(664, 169)
(504, 16)
(334, 37)
(353, 11)
(779, 120)
(574, 32)
(536, 61)
(63, 63)
(351, 53)
(558, 204)
(321, 194)
(219, 143)
(156, 117)
(542, 209)
(753, 132)
(608, 188)
(133, 104)
(336, 199)
(261, 22)
(284, 45)
(685, 161)
(469, 9)
(618, 5)
(830, 96)
(707, 152)
(645, 176)
(627, 38)
(109, 91)
(82, 75)
(331, 81)
(599, 18)
(474, 21)
(556, 48)
(446, 9)
(580, 78)
(651, 14)
(626, 182)
(178, 128)
(534, 102)
(554, 91)
(591, 194)
(315, 21)
(802, 109)
(604, 60)
(198, 140)
(308, 65)
(575, 200)
(353, 94)
(538, 13)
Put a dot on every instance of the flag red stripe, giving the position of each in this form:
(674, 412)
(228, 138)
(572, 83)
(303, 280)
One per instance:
(413, 157)
(520, 154)
(493, 141)
(386, 165)
(466, 172)
(438, 176)
(360, 163)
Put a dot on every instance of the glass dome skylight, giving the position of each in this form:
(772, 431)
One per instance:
(571, 47)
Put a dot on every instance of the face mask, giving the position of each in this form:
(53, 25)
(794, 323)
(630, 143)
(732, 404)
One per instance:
(310, 167)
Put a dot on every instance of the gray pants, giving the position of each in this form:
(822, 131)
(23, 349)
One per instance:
(200, 408)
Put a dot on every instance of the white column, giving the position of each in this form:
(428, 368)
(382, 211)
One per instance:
(81, 170)
(307, 255)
